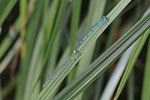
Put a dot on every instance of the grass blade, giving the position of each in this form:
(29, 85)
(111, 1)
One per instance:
(146, 87)
(107, 58)
(131, 87)
(48, 90)
(9, 56)
(76, 8)
(94, 14)
(132, 60)
(31, 32)
(116, 75)
(5, 8)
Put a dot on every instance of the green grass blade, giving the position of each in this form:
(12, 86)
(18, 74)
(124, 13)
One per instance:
(131, 87)
(58, 23)
(61, 74)
(94, 14)
(5, 8)
(74, 28)
(146, 82)
(105, 60)
(0, 91)
(6, 43)
(48, 31)
(116, 75)
(54, 54)
(9, 56)
(30, 35)
(76, 8)
(34, 66)
(99, 82)
(132, 61)
(56, 47)
(119, 69)
(23, 9)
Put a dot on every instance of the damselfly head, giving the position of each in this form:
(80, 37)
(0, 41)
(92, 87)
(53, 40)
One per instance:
(74, 51)
(105, 19)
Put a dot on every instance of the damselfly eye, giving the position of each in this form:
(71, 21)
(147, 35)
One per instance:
(74, 51)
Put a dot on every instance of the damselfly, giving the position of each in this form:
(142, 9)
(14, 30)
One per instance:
(76, 54)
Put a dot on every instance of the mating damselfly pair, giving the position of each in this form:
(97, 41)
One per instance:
(75, 51)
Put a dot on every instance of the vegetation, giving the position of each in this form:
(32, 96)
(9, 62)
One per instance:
(37, 39)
